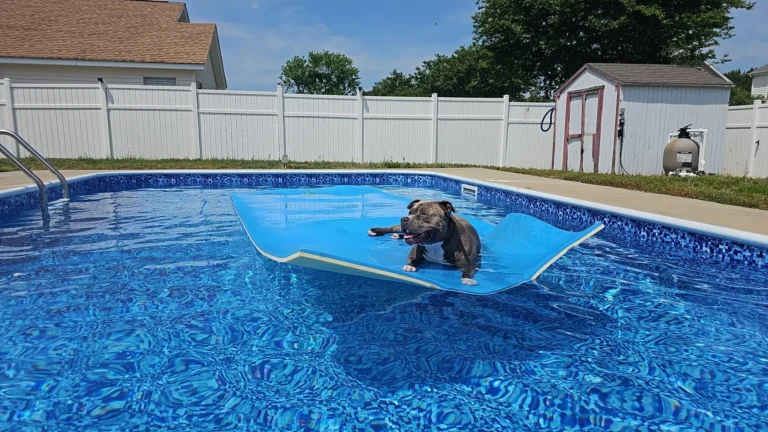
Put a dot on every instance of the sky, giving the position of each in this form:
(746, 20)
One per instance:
(258, 36)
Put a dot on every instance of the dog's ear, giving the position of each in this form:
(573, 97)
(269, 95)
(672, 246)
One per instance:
(413, 203)
(447, 207)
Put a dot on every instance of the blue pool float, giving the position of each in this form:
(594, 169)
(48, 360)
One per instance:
(326, 229)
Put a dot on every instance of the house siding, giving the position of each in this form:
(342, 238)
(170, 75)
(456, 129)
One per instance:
(50, 74)
(206, 77)
(652, 113)
(760, 85)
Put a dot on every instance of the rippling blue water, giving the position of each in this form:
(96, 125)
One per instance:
(150, 309)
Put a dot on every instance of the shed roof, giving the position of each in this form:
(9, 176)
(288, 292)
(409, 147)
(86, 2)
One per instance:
(103, 30)
(659, 75)
(760, 71)
(628, 74)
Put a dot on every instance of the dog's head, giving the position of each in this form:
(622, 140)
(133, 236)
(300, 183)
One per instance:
(428, 222)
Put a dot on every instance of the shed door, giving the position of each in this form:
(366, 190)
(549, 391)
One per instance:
(583, 129)
(573, 144)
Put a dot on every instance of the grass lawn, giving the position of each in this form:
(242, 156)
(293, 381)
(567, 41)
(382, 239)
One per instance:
(736, 191)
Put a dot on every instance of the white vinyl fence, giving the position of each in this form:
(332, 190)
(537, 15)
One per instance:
(120, 121)
(746, 147)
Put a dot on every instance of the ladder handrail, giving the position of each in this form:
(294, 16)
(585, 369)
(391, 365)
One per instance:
(33, 176)
(38, 156)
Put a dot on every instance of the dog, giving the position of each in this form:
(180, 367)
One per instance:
(437, 235)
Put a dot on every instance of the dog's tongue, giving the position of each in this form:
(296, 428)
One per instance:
(409, 236)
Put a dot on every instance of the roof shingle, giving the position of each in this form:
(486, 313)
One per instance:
(760, 70)
(102, 30)
(658, 75)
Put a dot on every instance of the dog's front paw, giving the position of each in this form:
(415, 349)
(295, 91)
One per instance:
(397, 236)
(468, 281)
(409, 268)
(372, 233)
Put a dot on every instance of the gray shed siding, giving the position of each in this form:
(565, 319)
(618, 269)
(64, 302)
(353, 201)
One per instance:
(653, 112)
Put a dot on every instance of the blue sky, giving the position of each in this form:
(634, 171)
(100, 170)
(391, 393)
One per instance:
(258, 36)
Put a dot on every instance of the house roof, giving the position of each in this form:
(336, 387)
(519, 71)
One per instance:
(760, 70)
(629, 74)
(103, 30)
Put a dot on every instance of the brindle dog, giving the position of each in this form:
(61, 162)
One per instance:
(437, 235)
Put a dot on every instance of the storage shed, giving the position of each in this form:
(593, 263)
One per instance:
(616, 118)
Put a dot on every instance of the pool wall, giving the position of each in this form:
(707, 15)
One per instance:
(622, 226)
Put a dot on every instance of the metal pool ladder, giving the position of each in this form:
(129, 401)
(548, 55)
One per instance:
(30, 174)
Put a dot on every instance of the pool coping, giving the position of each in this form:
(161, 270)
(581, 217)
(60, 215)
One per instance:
(730, 234)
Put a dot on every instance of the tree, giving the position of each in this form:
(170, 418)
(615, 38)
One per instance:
(741, 79)
(739, 96)
(468, 72)
(742, 93)
(322, 72)
(547, 41)
(396, 84)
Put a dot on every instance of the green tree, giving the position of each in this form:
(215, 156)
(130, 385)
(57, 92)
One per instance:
(324, 72)
(739, 96)
(396, 84)
(742, 93)
(547, 41)
(468, 72)
(741, 79)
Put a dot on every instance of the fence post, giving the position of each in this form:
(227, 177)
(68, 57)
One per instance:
(753, 148)
(504, 129)
(434, 127)
(281, 122)
(196, 121)
(360, 125)
(10, 118)
(106, 135)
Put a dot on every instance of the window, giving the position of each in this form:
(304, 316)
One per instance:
(160, 81)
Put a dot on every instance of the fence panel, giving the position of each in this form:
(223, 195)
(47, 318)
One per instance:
(469, 131)
(238, 125)
(397, 129)
(321, 128)
(6, 119)
(527, 145)
(151, 122)
(746, 139)
(60, 121)
(761, 147)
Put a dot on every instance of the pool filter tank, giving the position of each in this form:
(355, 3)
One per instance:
(681, 155)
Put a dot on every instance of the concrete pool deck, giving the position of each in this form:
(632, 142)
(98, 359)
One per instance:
(739, 218)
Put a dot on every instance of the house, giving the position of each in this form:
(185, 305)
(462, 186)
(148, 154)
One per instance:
(616, 118)
(760, 81)
(143, 42)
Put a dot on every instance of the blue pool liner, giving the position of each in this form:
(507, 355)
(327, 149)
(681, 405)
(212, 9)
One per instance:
(326, 228)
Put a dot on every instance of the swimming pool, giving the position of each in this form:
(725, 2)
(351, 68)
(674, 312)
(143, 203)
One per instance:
(144, 305)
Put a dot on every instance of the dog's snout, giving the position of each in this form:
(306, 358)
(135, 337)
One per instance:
(404, 220)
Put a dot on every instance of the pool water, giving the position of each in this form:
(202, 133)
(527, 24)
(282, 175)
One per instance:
(151, 310)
